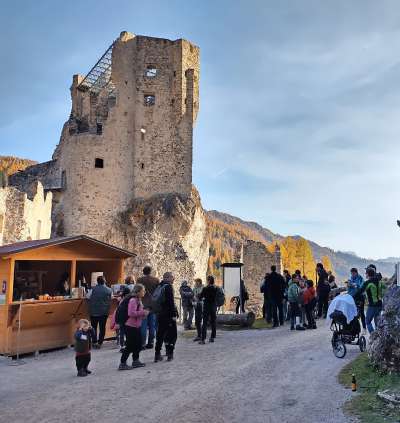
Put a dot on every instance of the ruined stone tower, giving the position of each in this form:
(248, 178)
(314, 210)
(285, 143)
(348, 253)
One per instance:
(130, 131)
(122, 171)
(129, 134)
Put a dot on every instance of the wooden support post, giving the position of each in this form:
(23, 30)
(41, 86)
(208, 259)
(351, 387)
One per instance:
(73, 274)
(10, 283)
(121, 271)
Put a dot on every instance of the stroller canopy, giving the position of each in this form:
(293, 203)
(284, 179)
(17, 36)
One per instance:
(344, 303)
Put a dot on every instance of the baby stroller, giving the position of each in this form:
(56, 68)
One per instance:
(345, 325)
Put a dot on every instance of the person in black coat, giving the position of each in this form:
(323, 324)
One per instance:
(166, 319)
(267, 306)
(275, 286)
(209, 295)
(323, 290)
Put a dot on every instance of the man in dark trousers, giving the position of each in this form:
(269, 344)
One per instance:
(209, 294)
(148, 323)
(275, 285)
(99, 307)
(243, 298)
(166, 319)
(323, 290)
(267, 306)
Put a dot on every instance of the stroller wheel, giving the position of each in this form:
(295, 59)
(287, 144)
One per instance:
(339, 348)
(362, 343)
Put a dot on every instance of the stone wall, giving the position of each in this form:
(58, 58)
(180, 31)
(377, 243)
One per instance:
(257, 262)
(24, 219)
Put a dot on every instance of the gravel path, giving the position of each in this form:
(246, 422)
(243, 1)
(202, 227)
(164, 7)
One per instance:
(250, 376)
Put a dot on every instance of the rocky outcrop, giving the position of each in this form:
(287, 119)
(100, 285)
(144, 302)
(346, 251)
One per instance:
(384, 348)
(169, 232)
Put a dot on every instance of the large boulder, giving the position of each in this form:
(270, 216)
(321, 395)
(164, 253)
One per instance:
(169, 232)
(384, 347)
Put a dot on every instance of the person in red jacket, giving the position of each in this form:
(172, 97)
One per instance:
(309, 304)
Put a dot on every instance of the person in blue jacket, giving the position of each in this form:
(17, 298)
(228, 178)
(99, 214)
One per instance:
(355, 289)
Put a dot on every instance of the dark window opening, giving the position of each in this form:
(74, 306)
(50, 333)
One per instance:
(99, 128)
(149, 100)
(83, 125)
(142, 165)
(172, 102)
(150, 72)
(99, 163)
(174, 73)
(64, 179)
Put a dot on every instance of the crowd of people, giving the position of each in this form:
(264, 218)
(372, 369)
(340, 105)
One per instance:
(294, 298)
(146, 313)
(147, 310)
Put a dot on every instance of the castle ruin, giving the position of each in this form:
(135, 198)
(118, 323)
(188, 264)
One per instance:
(129, 134)
(122, 171)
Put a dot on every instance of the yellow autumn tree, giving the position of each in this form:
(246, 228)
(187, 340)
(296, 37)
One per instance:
(297, 254)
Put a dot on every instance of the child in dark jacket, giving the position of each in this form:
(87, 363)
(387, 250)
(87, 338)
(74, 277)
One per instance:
(83, 344)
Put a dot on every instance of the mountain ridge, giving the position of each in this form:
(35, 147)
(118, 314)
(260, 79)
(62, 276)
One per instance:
(341, 261)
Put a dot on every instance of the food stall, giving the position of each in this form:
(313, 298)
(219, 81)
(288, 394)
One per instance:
(42, 291)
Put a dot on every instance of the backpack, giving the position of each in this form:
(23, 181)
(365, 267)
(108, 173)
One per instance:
(158, 299)
(220, 297)
(121, 314)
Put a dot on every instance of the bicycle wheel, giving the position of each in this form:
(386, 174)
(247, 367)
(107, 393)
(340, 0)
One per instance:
(362, 343)
(339, 348)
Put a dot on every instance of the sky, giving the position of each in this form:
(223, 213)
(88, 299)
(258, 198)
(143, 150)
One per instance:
(299, 121)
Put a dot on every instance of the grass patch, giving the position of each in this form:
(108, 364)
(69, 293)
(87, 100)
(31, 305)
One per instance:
(261, 324)
(366, 405)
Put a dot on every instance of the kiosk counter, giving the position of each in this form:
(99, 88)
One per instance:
(43, 286)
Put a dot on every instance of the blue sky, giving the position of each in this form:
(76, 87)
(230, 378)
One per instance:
(299, 122)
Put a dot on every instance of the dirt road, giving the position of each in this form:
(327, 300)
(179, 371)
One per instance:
(250, 376)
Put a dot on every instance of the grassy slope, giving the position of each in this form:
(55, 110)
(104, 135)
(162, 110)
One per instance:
(365, 405)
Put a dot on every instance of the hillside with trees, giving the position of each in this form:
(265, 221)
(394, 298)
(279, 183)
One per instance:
(227, 233)
(11, 164)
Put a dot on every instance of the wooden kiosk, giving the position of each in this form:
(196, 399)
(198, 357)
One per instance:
(33, 316)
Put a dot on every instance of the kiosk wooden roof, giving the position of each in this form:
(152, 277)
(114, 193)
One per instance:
(65, 243)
